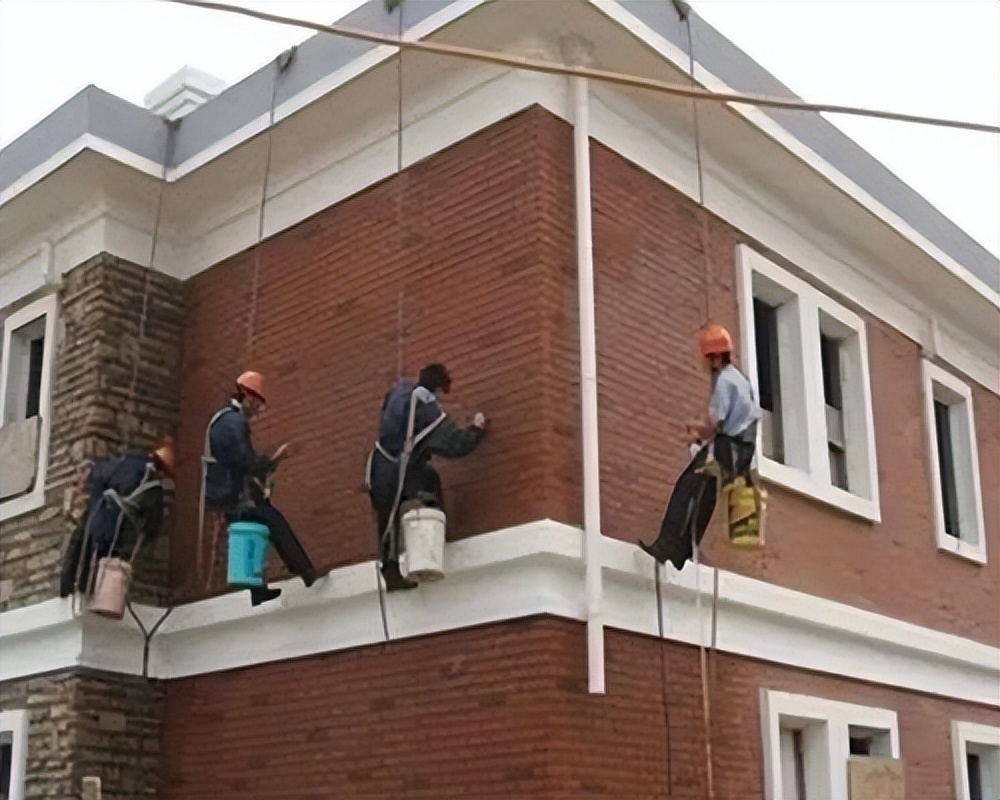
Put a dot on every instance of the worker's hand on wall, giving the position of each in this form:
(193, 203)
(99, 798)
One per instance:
(693, 430)
(479, 421)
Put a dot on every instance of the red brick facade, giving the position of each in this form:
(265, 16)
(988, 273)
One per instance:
(652, 296)
(477, 241)
(502, 711)
(461, 240)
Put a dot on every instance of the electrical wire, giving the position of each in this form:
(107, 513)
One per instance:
(600, 75)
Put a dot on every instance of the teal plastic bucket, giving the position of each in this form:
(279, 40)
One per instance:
(247, 548)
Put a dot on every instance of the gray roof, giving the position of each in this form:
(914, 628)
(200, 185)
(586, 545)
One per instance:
(144, 133)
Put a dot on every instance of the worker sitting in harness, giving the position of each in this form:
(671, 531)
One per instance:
(733, 410)
(124, 511)
(236, 480)
(412, 429)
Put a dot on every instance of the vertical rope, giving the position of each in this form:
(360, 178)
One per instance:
(396, 5)
(168, 148)
(280, 64)
(663, 678)
(685, 15)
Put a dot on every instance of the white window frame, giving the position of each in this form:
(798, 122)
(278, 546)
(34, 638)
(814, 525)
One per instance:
(838, 717)
(807, 412)
(49, 308)
(943, 386)
(962, 735)
(16, 722)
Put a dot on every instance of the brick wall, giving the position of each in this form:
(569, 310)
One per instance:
(655, 290)
(478, 241)
(85, 724)
(94, 413)
(458, 240)
(503, 711)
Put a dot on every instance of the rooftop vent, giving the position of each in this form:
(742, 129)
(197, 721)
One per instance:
(183, 92)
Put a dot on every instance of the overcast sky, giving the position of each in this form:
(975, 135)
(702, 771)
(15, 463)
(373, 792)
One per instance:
(932, 57)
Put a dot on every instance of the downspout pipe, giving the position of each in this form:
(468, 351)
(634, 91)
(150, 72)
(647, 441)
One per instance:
(593, 580)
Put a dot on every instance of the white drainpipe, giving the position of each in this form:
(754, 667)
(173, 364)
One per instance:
(593, 584)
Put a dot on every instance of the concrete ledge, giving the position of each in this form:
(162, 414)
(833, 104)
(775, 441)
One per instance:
(514, 573)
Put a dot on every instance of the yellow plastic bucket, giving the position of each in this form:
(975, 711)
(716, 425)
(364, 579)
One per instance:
(745, 506)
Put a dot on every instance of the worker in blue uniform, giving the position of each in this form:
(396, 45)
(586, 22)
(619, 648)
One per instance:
(412, 429)
(236, 480)
(124, 512)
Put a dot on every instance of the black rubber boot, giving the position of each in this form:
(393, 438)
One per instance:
(309, 577)
(394, 580)
(263, 595)
(652, 550)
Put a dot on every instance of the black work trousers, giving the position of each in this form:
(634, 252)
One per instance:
(422, 482)
(284, 540)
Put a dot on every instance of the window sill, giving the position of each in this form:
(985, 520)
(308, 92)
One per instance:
(801, 483)
(24, 504)
(956, 547)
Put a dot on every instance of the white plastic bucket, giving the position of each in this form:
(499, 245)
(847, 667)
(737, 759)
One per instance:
(111, 587)
(423, 543)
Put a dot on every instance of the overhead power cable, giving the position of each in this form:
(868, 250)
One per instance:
(601, 75)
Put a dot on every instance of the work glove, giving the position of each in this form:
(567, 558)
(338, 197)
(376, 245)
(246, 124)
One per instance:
(479, 421)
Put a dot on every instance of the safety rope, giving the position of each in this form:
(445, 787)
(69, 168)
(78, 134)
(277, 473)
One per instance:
(168, 151)
(663, 677)
(281, 63)
(147, 635)
(683, 11)
(202, 571)
(397, 6)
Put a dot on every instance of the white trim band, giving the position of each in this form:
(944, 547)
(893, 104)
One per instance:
(519, 572)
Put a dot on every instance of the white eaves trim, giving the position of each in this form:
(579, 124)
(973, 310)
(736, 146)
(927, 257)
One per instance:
(625, 131)
(519, 572)
(613, 10)
(87, 141)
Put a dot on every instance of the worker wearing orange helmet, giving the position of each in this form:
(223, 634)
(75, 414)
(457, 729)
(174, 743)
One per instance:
(235, 477)
(733, 410)
(124, 512)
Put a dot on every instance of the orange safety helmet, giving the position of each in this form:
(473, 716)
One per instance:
(252, 382)
(163, 456)
(715, 341)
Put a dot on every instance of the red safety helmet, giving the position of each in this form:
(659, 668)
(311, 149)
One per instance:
(252, 383)
(715, 341)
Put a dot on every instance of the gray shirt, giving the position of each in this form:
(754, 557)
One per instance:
(733, 404)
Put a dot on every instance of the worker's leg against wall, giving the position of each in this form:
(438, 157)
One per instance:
(71, 560)
(430, 485)
(286, 544)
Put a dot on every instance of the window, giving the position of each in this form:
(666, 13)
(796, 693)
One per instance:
(954, 465)
(808, 742)
(765, 319)
(808, 359)
(13, 753)
(976, 751)
(26, 362)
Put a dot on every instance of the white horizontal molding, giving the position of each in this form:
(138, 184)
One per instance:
(529, 570)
